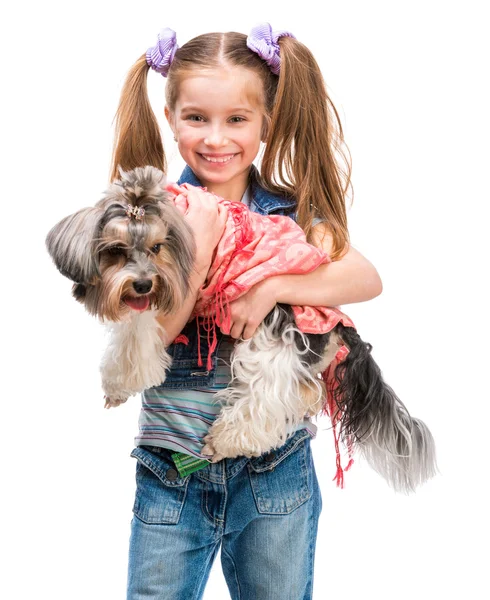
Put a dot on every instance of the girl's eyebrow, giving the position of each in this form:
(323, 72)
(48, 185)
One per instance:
(192, 108)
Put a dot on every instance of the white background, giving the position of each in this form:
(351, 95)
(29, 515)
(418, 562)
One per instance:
(410, 80)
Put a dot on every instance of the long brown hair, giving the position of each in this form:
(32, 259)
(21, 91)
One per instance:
(305, 154)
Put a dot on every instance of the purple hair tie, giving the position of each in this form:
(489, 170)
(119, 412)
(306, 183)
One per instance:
(263, 41)
(160, 57)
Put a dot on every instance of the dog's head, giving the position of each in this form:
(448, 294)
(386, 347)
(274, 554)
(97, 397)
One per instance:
(132, 251)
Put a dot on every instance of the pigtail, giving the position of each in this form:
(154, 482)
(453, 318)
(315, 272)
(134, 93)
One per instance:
(137, 137)
(304, 144)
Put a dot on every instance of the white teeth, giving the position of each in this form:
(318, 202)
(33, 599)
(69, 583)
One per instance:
(214, 159)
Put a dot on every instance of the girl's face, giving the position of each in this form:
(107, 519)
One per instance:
(218, 121)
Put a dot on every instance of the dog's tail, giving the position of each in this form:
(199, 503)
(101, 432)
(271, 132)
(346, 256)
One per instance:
(400, 448)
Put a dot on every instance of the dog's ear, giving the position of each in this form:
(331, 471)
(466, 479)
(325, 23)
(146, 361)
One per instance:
(71, 244)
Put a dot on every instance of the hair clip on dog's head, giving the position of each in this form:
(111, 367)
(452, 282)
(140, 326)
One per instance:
(135, 211)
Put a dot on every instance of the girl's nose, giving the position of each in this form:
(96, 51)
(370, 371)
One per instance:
(215, 138)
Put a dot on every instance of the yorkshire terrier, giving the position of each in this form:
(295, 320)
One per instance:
(131, 256)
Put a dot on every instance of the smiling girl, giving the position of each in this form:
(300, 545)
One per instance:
(225, 94)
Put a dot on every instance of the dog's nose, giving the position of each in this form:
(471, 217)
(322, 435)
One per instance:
(142, 286)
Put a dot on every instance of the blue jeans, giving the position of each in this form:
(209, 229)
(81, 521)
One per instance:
(263, 511)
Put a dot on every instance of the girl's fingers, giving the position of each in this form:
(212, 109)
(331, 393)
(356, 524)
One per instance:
(203, 211)
(236, 331)
(198, 200)
(181, 204)
(222, 218)
(175, 188)
(223, 212)
(178, 197)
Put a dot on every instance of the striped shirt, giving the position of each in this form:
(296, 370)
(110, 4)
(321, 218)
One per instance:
(180, 419)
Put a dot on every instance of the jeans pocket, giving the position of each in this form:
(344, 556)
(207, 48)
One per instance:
(160, 491)
(282, 479)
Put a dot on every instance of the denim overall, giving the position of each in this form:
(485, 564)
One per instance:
(262, 513)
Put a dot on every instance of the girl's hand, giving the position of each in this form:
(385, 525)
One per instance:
(248, 312)
(206, 217)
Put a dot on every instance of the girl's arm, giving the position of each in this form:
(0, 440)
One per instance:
(207, 218)
(173, 323)
(351, 279)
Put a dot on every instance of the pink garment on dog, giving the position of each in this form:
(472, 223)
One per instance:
(252, 248)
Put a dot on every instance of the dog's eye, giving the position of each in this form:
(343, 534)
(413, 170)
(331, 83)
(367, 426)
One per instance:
(116, 251)
(156, 248)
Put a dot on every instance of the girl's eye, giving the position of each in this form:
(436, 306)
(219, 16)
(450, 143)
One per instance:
(156, 248)
(195, 118)
(237, 119)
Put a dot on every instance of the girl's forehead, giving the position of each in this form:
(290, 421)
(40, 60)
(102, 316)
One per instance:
(233, 86)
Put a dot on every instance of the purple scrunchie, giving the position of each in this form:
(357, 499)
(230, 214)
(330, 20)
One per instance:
(263, 41)
(160, 57)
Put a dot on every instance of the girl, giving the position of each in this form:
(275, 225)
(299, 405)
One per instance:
(225, 94)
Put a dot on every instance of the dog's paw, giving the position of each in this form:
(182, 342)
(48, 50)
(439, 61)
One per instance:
(210, 451)
(113, 402)
(231, 437)
(223, 443)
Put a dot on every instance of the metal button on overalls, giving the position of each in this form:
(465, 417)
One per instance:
(171, 474)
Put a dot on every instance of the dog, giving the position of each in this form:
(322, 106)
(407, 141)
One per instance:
(131, 256)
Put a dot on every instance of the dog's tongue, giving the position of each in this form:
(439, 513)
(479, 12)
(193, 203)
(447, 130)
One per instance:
(137, 303)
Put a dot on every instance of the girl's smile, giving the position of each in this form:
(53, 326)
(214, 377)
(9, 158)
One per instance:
(218, 121)
(219, 159)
